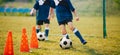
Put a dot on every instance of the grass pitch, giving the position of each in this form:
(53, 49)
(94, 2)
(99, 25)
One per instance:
(90, 27)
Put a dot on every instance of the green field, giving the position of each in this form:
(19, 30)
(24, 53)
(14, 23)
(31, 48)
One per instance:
(90, 28)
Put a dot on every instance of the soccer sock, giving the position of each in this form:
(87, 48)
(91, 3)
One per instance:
(46, 32)
(38, 29)
(77, 33)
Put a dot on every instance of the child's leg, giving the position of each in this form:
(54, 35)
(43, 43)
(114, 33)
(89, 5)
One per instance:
(64, 32)
(39, 24)
(46, 30)
(47, 22)
(63, 29)
(76, 32)
(38, 28)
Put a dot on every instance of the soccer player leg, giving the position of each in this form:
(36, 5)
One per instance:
(38, 27)
(76, 32)
(47, 22)
(63, 30)
(46, 31)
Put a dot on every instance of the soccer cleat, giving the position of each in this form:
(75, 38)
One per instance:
(84, 42)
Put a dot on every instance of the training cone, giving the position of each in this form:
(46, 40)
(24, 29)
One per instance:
(8, 50)
(24, 47)
(34, 41)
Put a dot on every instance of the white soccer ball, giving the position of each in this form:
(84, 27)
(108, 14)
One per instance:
(65, 43)
(41, 36)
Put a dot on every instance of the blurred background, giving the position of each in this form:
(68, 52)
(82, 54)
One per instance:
(84, 7)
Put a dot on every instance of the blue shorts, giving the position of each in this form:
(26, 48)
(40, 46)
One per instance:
(64, 22)
(40, 22)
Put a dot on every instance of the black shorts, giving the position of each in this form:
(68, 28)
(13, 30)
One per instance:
(40, 22)
(64, 22)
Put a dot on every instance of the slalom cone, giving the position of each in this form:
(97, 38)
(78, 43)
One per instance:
(24, 47)
(8, 50)
(34, 41)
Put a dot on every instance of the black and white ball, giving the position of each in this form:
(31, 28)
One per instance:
(65, 43)
(41, 36)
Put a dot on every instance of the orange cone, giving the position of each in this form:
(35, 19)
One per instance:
(24, 47)
(34, 41)
(8, 50)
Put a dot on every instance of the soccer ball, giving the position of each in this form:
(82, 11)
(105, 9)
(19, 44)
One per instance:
(41, 36)
(65, 43)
